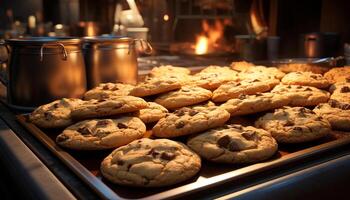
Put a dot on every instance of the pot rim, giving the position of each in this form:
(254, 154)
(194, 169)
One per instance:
(106, 39)
(43, 40)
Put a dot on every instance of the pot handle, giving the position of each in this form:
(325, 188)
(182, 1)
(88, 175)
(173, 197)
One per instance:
(145, 46)
(3, 71)
(64, 51)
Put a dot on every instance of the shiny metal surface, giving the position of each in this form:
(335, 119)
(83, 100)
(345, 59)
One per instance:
(110, 59)
(44, 69)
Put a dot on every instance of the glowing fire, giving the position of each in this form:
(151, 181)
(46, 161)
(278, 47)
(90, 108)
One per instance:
(210, 36)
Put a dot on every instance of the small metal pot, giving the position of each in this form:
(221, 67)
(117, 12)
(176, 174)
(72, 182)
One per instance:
(111, 59)
(42, 69)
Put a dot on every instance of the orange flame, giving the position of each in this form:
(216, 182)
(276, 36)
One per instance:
(210, 36)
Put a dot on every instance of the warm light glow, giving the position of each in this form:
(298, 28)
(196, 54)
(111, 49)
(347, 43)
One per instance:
(166, 17)
(201, 45)
(210, 36)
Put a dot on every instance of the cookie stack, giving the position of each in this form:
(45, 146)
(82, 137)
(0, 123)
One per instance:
(196, 109)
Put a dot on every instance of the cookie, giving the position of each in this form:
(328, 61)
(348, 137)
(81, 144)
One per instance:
(211, 79)
(302, 67)
(294, 125)
(167, 70)
(302, 95)
(187, 121)
(262, 70)
(56, 114)
(153, 113)
(108, 107)
(338, 74)
(249, 104)
(337, 116)
(233, 89)
(217, 69)
(97, 134)
(241, 66)
(340, 92)
(156, 85)
(151, 163)
(305, 79)
(187, 95)
(106, 90)
(234, 144)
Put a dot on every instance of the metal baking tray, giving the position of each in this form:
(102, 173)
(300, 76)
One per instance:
(85, 164)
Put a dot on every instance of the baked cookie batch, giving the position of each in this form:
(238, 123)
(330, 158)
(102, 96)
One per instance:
(196, 109)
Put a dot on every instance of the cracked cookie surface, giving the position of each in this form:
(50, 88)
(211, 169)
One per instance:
(261, 71)
(106, 90)
(249, 104)
(186, 96)
(151, 163)
(302, 95)
(153, 113)
(107, 107)
(187, 121)
(338, 74)
(96, 134)
(56, 114)
(294, 125)
(234, 144)
(305, 79)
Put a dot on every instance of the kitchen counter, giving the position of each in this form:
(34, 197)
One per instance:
(32, 172)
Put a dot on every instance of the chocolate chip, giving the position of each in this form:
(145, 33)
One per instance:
(258, 94)
(120, 162)
(224, 141)
(101, 100)
(319, 118)
(56, 105)
(319, 106)
(179, 113)
(313, 76)
(105, 87)
(249, 135)
(122, 126)
(48, 116)
(299, 87)
(62, 138)
(289, 87)
(308, 89)
(167, 156)
(233, 146)
(345, 89)
(180, 124)
(289, 123)
(333, 103)
(193, 112)
(238, 84)
(345, 107)
(84, 131)
(185, 90)
(102, 123)
(153, 153)
(297, 128)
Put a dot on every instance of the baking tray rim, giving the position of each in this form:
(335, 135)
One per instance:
(107, 193)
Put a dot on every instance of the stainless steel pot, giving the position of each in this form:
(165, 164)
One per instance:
(42, 69)
(111, 59)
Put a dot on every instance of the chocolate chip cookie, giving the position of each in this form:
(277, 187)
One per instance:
(233, 89)
(249, 104)
(337, 116)
(338, 74)
(187, 121)
(302, 95)
(305, 79)
(187, 95)
(262, 70)
(294, 125)
(167, 70)
(211, 79)
(106, 90)
(234, 144)
(340, 92)
(151, 163)
(96, 134)
(56, 114)
(107, 107)
(156, 85)
(153, 113)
